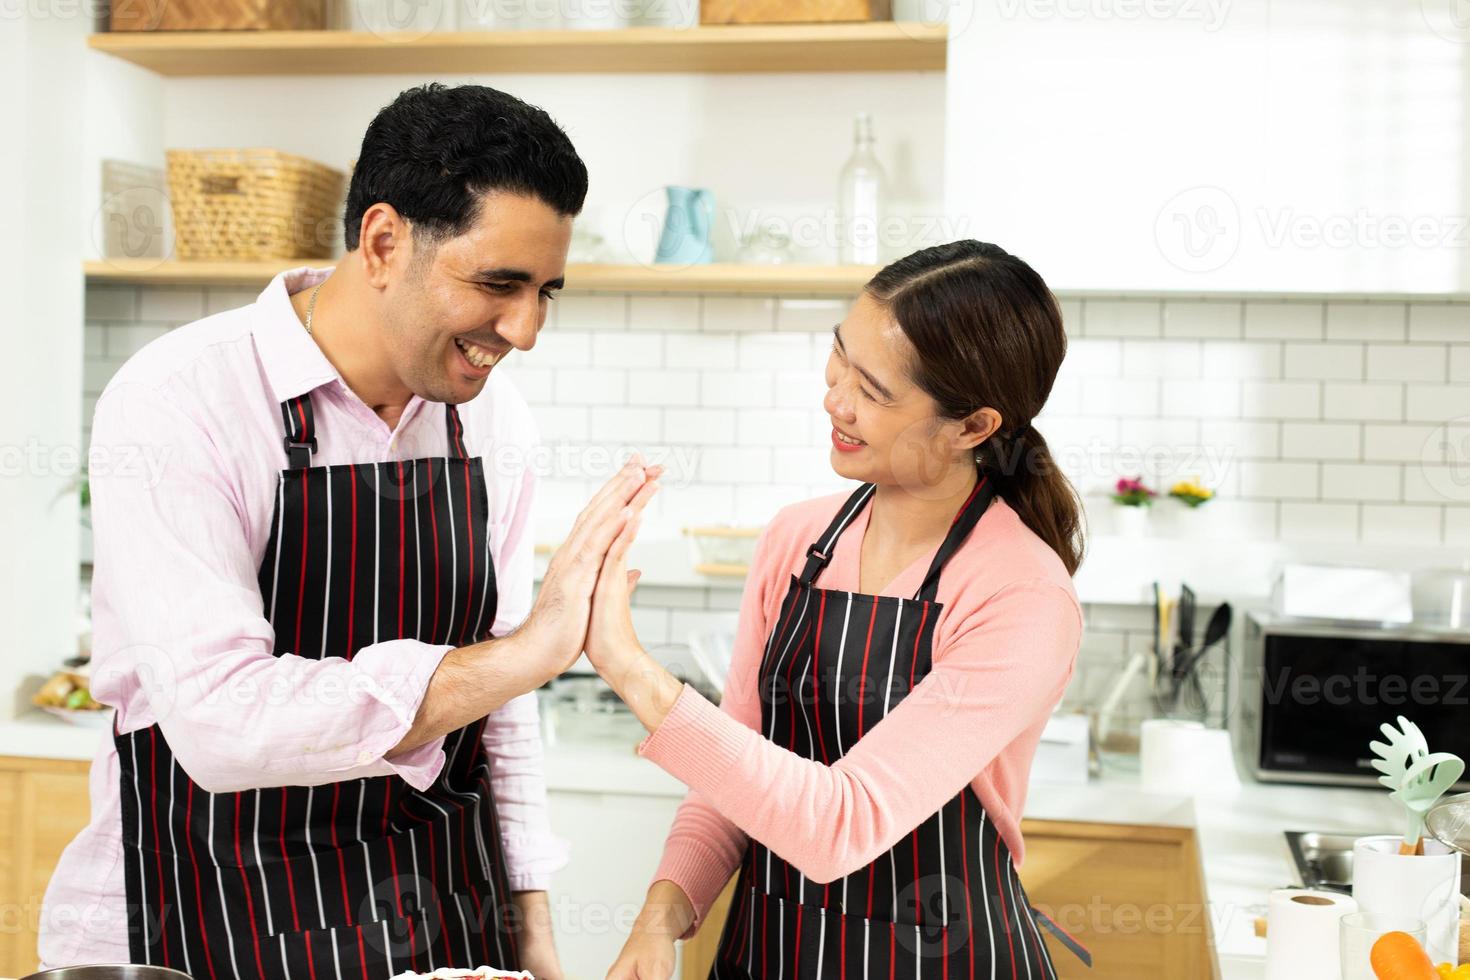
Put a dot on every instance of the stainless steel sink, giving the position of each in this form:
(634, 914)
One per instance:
(1326, 860)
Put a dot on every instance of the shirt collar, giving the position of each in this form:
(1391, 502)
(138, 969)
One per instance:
(292, 361)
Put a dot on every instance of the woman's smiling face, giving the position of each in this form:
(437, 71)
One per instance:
(885, 429)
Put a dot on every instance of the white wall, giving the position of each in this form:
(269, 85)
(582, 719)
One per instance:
(1273, 145)
(40, 376)
(768, 144)
(1317, 422)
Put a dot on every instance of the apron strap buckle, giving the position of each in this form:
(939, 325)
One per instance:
(816, 560)
(300, 453)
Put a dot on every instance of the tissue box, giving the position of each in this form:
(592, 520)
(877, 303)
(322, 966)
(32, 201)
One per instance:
(1061, 757)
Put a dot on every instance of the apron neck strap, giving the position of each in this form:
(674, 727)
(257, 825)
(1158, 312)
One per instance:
(970, 513)
(300, 431)
(819, 554)
(456, 432)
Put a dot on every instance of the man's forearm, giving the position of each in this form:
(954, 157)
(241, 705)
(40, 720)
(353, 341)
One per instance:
(470, 683)
(537, 940)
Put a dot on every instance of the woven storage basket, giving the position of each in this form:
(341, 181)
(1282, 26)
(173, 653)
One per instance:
(253, 204)
(792, 11)
(217, 15)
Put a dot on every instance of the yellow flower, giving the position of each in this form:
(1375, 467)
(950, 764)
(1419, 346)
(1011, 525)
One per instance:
(1192, 492)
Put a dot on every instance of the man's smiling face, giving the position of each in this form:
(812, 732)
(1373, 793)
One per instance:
(465, 303)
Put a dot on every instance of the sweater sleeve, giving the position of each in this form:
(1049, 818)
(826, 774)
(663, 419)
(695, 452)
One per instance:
(1004, 668)
(704, 847)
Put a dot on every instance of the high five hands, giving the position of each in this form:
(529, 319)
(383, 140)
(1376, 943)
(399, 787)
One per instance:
(560, 626)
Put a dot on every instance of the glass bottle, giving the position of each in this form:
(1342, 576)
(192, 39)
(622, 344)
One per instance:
(860, 199)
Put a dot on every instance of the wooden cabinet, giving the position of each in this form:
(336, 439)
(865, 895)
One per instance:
(1130, 894)
(43, 805)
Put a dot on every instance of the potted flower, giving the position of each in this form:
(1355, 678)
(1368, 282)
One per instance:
(1189, 521)
(1191, 493)
(1133, 498)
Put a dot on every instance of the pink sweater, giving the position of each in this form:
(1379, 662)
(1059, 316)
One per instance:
(1004, 648)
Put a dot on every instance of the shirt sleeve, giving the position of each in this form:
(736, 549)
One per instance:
(181, 635)
(512, 736)
(1003, 669)
(704, 846)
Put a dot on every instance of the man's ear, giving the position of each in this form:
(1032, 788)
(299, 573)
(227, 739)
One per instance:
(385, 240)
(977, 427)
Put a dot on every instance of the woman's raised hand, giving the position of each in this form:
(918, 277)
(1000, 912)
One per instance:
(557, 628)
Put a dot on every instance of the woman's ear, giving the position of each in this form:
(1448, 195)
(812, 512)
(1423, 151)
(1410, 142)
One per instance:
(977, 427)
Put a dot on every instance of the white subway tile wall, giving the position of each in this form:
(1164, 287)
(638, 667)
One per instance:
(1316, 421)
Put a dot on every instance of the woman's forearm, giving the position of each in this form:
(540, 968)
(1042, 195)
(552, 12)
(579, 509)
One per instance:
(666, 910)
(643, 684)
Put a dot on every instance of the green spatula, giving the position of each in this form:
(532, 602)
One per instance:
(1423, 784)
(1417, 777)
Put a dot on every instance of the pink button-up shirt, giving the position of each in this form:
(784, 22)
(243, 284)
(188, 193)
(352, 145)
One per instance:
(186, 451)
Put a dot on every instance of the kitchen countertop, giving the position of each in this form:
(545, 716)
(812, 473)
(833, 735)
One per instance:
(1239, 833)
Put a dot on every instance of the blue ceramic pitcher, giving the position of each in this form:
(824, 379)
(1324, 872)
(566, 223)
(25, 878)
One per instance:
(686, 234)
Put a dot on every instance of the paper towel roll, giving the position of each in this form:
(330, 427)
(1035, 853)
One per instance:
(1177, 756)
(1302, 934)
(1425, 886)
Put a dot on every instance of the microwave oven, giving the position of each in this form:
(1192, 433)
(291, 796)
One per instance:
(1314, 694)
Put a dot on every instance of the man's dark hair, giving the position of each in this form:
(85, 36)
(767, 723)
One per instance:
(435, 150)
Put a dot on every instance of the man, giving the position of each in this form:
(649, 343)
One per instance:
(326, 759)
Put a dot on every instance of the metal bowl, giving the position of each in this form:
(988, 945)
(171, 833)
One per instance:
(110, 971)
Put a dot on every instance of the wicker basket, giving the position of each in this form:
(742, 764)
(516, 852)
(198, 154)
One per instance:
(253, 204)
(792, 11)
(217, 15)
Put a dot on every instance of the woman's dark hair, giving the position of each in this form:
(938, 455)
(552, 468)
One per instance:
(988, 334)
(435, 150)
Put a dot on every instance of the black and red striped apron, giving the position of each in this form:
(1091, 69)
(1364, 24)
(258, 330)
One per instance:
(945, 901)
(354, 880)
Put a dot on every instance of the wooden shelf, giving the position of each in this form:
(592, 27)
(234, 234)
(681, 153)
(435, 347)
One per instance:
(878, 46)
(761, 280)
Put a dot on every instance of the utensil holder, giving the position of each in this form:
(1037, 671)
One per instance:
(1425, 886)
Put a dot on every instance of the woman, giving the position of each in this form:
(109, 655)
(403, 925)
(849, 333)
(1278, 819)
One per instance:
(898, 653)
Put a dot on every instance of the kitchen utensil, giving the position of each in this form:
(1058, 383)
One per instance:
(1423, 783)
(1163, 615)
(1360, 930)
(1448, 822)
(1187, 683)
(109, 971)
(1215, 631)
(1186, 627)
(1405, 745)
